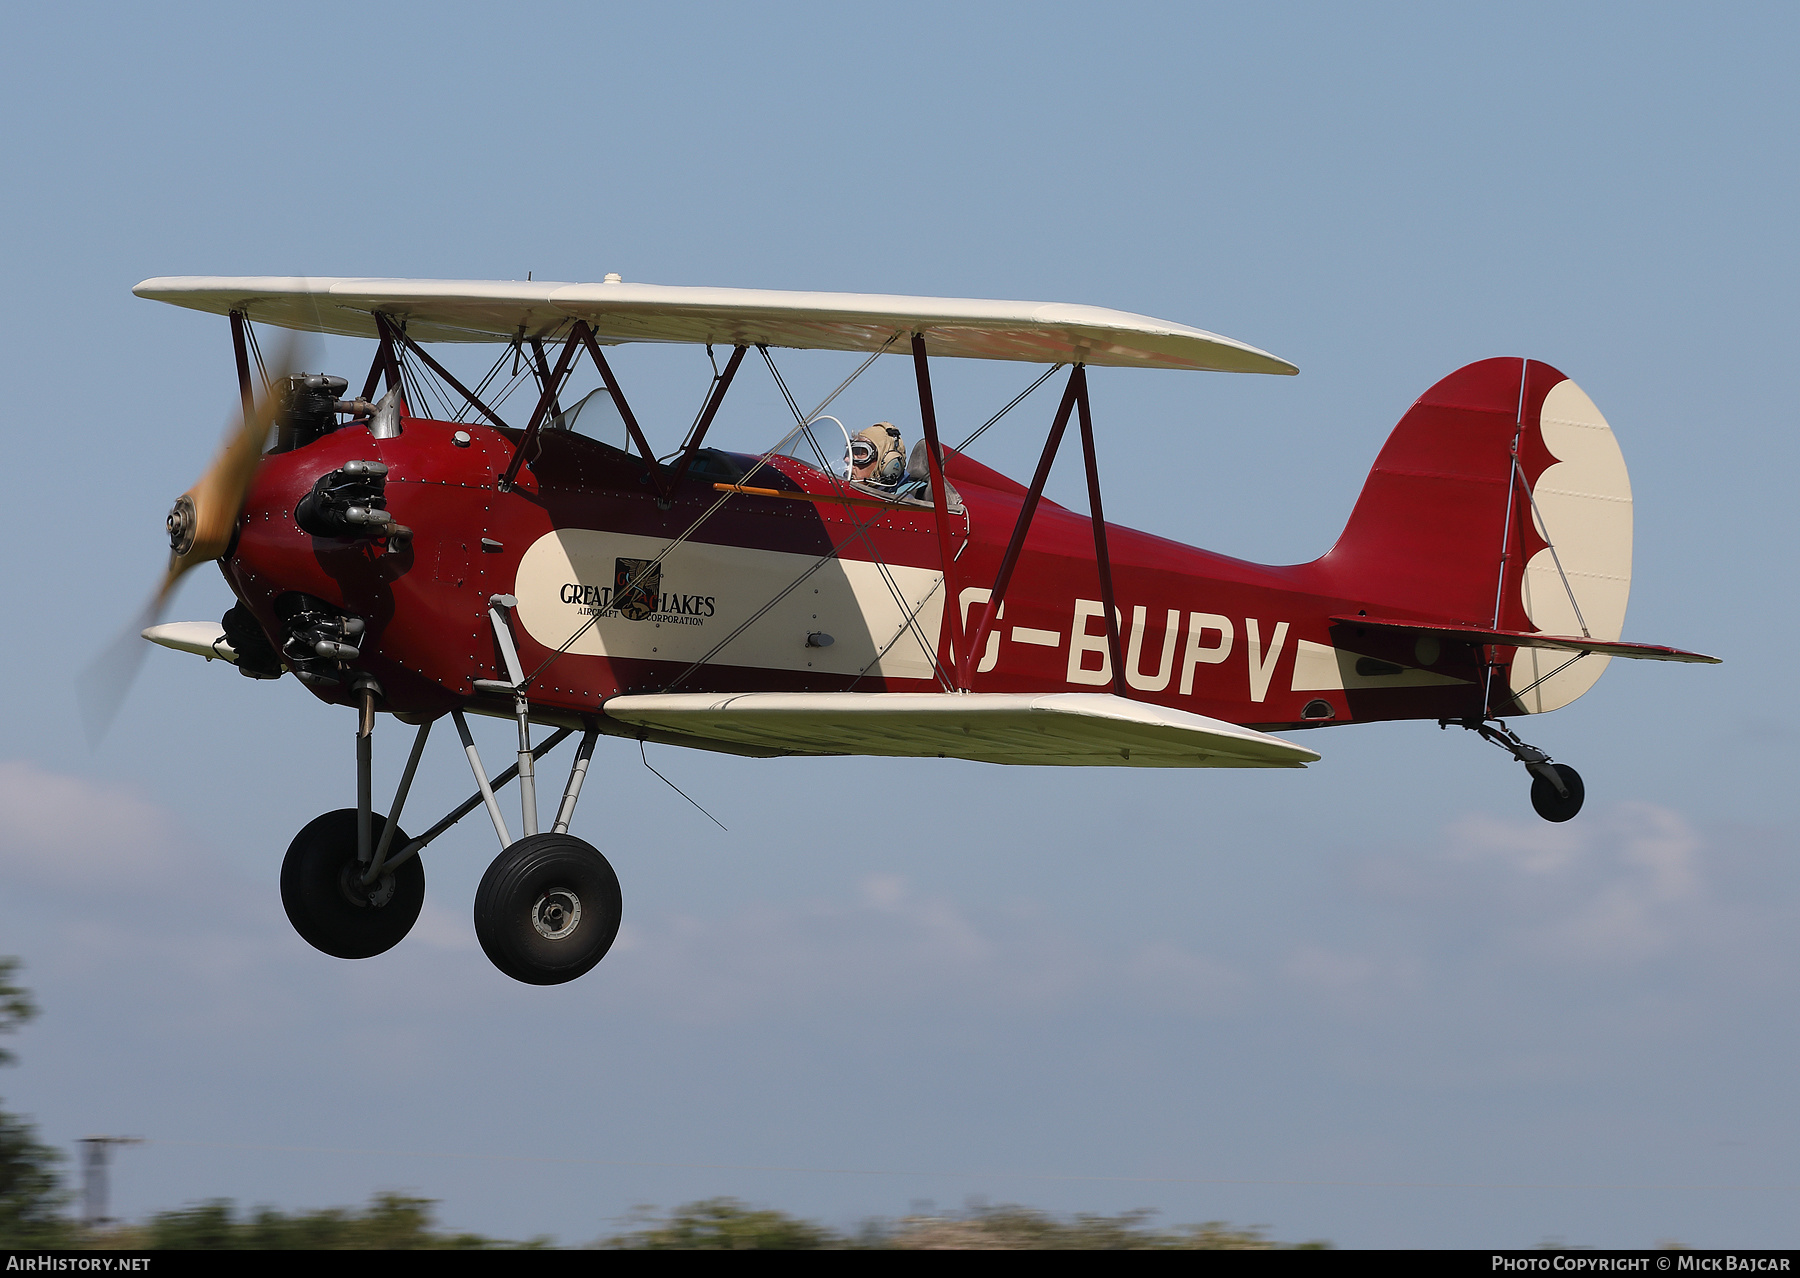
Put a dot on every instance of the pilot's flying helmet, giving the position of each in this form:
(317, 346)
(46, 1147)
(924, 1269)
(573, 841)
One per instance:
(879, 444)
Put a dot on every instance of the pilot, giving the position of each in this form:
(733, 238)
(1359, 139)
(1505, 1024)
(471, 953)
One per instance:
(877, 455)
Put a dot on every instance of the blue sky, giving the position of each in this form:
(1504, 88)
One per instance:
(1376, 1001)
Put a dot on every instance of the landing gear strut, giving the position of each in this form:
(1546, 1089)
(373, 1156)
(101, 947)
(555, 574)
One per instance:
(548, 908)
(1556, 789)
(338, 894)
(329, 904)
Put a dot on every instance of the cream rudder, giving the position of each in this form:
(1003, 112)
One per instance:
(1500, 500)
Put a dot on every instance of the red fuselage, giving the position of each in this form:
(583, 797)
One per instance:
(1241, 642)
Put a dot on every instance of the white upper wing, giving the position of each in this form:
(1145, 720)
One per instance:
(499, 310)
(1090, 729)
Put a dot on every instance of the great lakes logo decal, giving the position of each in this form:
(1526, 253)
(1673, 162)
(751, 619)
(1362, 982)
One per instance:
(635, 586)
(637, 595)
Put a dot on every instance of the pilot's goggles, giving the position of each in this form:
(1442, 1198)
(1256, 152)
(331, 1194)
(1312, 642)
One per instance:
(862, 452)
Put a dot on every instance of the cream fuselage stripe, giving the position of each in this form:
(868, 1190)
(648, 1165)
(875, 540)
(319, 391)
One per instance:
(701, 593)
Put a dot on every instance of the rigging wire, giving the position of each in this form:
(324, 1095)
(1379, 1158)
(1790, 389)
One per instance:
(908, 613)
(678, 790)
(760, 613)
(712, 510)
(511, 388)
(1544, 531)
(440, 390)
(906, 624)
(435, 398)
(1511, 490)
(881, 566)
(1519, 696)
(1487, 683)
(698, 412)
(256, 351)
(410, 384)
(435, 394)
(1016, 401)
(481, 389)
(860, 370)
(689, 531)
(523, 370)
(1516, 480)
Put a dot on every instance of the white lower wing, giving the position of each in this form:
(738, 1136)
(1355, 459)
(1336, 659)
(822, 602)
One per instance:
(1081, 729)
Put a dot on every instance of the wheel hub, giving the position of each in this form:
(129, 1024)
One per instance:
(368, 895)
(556, 914)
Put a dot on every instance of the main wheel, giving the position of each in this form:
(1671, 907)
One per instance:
(1549, 804)
(547, 909)
(326, 900)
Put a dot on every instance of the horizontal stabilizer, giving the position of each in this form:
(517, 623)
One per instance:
(202, 638)
(1530, 639)
(1085, 729)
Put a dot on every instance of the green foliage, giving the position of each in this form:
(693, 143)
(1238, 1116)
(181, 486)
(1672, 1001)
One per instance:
(31, 1195)
(16, 1007)
(725, 1224)
(1009, 1227)
(722, 1224)
(391, 1222)
(32, 1202)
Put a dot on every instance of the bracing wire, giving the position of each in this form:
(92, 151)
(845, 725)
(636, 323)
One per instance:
(256, 352)
(481, 390)
(906, 624)
(410, 385)
(700, 412)
(678, 790)
(706, 515)
(1544, 530)
(762, 612)
(1014, 403)
(845, 384)
(881, 566)
(686, 533)
(1519, 696)
(910, 613)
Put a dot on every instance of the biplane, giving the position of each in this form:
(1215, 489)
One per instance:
(406, 550)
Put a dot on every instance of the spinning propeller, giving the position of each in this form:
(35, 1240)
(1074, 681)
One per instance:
(200, 529)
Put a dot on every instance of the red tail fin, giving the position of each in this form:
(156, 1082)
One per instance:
(1449, 529)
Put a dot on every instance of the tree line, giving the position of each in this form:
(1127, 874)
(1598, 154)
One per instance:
(35, 1205)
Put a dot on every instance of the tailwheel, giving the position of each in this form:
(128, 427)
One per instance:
(1551, 804)
(548, 909)
(1556, 789)
(329, 904)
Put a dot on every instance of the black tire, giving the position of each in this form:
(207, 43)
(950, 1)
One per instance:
(1549, 804)
(326, 901)
(548, 909)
